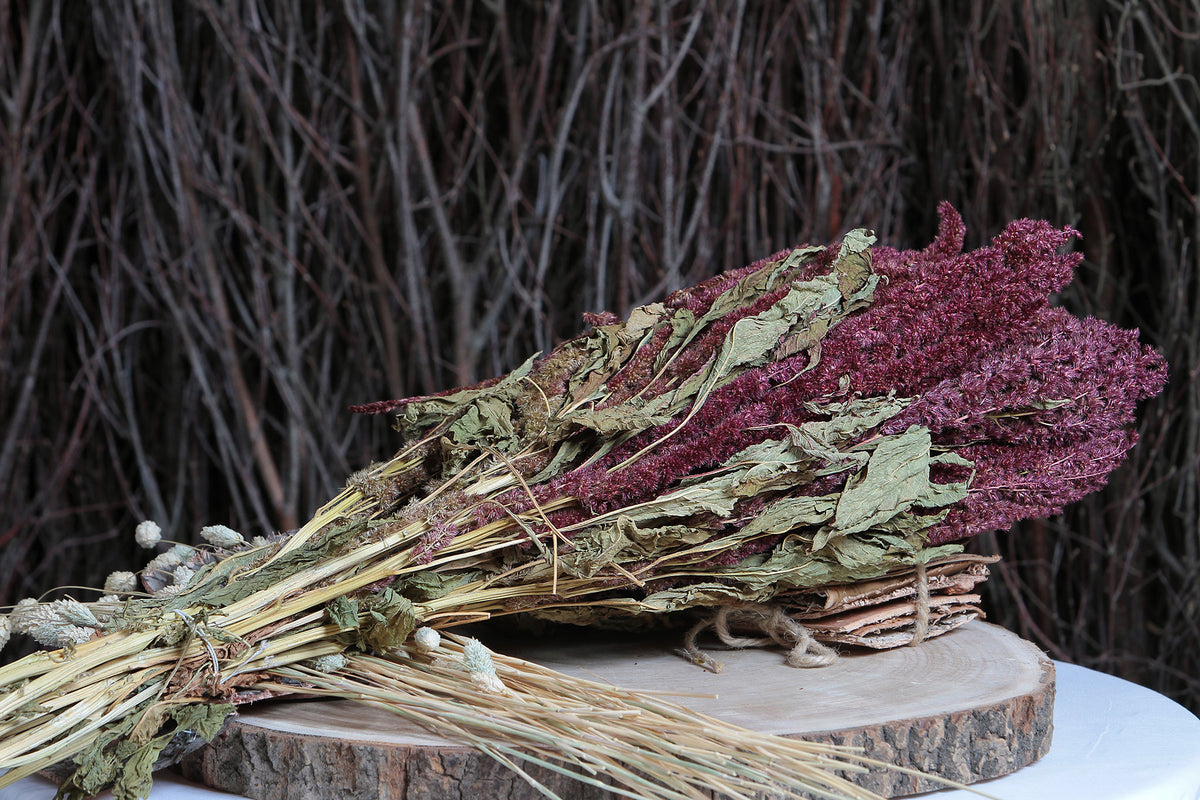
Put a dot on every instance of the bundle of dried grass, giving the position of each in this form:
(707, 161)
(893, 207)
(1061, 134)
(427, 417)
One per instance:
(755, 444)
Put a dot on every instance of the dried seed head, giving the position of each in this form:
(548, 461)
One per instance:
(61, 635)
(377, 487)
(57, 624)
(222, 536)
(426, 640)
(183, 575)
(120, 582)
(477, 661)
(181, 552)
(147, 534)
(30, 614)
(75, 613)
(476, 657)
(490, 683)
(329, 663)
(5, 630)
(164, 562)
(106, 607)
(22, 609)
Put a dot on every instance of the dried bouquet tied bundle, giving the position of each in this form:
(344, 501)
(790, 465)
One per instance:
(788, 445)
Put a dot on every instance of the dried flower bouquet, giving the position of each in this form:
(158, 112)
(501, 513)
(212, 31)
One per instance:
(823, 418)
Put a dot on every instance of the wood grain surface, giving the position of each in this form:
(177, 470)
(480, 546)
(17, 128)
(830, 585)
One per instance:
(973, 704)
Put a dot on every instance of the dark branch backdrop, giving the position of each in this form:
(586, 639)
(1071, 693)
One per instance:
(223, 221)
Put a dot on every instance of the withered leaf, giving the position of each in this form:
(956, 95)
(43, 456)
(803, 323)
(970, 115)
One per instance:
(853, 264)
(421, 415)
(390, 619)
(896, 476)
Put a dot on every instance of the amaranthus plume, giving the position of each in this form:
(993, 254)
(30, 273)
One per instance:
(996, 374)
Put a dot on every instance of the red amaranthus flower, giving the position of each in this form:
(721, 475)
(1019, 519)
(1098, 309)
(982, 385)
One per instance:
(1038, 400)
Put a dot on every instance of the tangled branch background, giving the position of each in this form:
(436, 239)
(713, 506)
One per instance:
(222, 224)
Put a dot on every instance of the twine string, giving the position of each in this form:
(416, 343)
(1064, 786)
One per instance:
(773, 624)
(921, 626)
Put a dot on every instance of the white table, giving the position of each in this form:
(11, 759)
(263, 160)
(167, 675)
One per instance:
(1113, 740)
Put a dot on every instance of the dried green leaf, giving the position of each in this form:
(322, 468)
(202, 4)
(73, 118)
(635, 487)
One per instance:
(952, 459)
(683, 321)
(683, 502)
(205, 719)
(96, 769)
(343, 612)
(800, 339)
(789, 513)
(796, 322)
(896, 476)
(1048, 404)
(697, 594)
(417, 417)
(790, 564)
(136, 774)
(773, 465)
(847, 422)
(749, 288)
(227, 584)
(624, 418)
(941, 495)
(567, 452)
(650, 541)
(748, 343)
(793, 563)
(487, 420)
(642, 319)
(623, 541)
(594, 550)
(945, 494)
(391, 618)
(853, 264)
(429, 585)
(809, 449)
(863, 554)
(609, 347)
(127, 762)
(744, 292)
(752, 339)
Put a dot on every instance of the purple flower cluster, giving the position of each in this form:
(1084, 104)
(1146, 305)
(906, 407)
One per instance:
(1039, 400)
(939, 310)
(1066, 380)
(1030, 481)
(439, 535)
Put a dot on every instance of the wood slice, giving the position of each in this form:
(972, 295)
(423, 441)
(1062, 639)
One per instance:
(975, 703)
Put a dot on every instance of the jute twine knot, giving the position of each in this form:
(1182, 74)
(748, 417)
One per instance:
(921, 626)
(772, 622)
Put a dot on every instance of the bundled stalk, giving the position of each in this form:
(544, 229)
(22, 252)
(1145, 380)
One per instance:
(757, 445)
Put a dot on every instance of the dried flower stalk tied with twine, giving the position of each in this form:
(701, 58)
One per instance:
(824, 418)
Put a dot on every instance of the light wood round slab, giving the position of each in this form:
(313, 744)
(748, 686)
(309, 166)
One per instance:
(975, 703)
